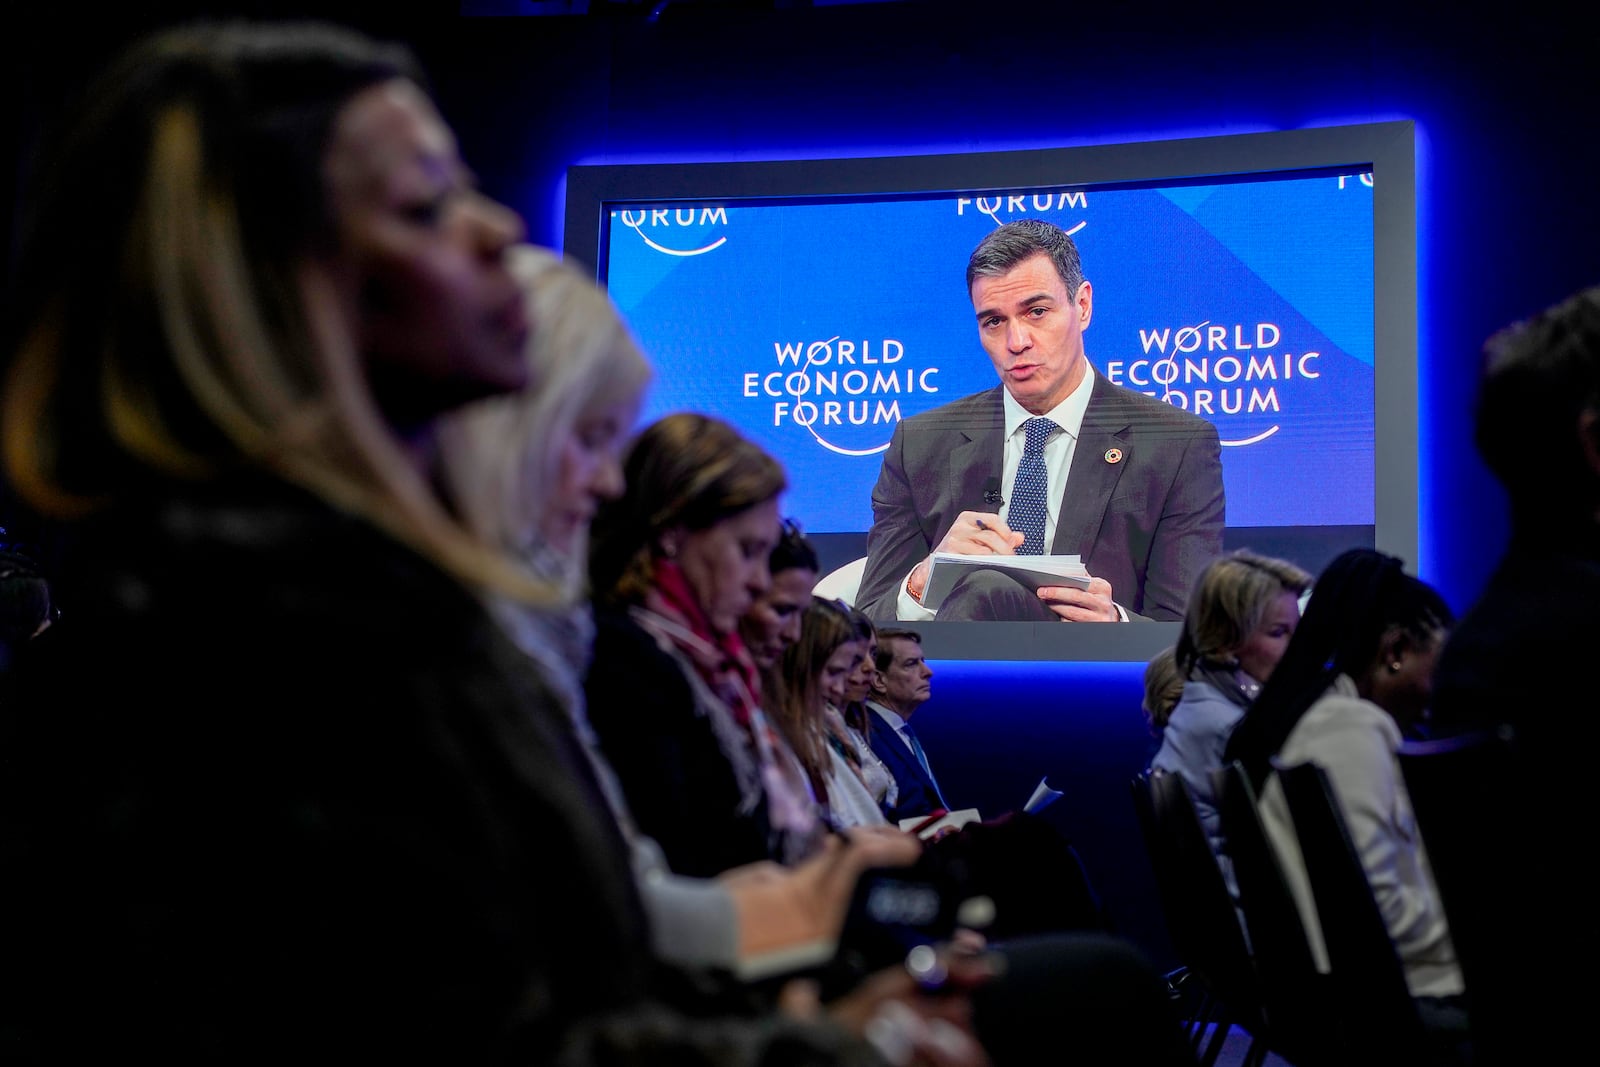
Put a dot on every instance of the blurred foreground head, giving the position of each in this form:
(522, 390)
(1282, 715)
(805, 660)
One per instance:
(527, 471)
(257, 248)
(1538, 420)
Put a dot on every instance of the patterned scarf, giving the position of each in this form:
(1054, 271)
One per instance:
(724, 667)
(560, 642)
(721, 660)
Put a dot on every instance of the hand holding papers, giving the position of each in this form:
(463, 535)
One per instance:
(1036, 571)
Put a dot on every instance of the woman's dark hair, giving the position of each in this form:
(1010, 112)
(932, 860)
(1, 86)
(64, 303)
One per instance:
(793, 551)
(855, 714)
(797, 708)
(1359, 598)
(685, 470)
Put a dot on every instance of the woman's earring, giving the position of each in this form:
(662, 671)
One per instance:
(1394, 667)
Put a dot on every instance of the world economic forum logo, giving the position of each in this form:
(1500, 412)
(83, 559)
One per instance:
(1049, 204)
(677, 231)
(844, 392)
(1229, 373)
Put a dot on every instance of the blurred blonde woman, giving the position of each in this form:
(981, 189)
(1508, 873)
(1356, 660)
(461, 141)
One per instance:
(263, 788)
(527, 472)
(283, 784)
(1242, 612)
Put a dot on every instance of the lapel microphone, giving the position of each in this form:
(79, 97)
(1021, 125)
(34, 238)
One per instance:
(991, 492)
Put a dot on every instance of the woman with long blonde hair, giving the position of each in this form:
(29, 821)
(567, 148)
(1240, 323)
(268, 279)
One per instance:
(280, 787)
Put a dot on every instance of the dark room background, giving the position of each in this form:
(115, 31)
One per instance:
(1505, 112)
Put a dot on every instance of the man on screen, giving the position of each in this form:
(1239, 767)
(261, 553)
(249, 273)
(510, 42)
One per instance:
(1127, 482)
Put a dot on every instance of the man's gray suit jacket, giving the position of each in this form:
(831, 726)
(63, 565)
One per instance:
(1143, 503)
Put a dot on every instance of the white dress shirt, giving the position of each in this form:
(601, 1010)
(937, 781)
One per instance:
(894, 721)
(897, 723)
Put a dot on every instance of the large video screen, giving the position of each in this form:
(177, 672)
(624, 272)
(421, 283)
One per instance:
(1265, 282)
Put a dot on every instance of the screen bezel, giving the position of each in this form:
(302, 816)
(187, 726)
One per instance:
(1386, 149)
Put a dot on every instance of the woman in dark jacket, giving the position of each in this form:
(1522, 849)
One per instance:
(282, 790)
(673, 693)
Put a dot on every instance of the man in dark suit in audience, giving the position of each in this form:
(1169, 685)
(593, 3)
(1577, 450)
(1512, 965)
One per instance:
(1523, 657)
(901, 687)
(1054, 459)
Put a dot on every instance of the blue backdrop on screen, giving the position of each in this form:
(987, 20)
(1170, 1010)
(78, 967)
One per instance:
(816, 326)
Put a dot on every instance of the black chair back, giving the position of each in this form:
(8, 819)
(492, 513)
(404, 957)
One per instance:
(1465, 792)
(1381, 1021)
(1198, 908)
(1294, 993)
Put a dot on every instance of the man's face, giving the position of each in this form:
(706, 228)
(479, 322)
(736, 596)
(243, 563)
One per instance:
(906, 685)
(1032, 329)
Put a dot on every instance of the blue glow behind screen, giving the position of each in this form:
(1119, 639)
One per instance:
(815, 326)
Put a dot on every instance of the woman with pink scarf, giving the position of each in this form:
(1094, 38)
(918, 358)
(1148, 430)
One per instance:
(673, 693)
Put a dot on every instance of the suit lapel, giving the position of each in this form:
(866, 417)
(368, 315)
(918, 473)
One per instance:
(886, 742)
(1093, 477)
(978, 458)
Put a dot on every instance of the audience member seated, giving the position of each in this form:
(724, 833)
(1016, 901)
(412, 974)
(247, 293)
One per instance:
(1356, 673)
(684, 553)
(1022, 864)
(1163, 686)
(1242, 612)
(816, 671)
(772, 626)
(773, 622)
(282, 789)
(1026, 865)
(673, 693)
(527, 472)
(768, 630)
(1521, 656)
(856, 721)
(902, 685)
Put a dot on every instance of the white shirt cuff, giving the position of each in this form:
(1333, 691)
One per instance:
(907, 609)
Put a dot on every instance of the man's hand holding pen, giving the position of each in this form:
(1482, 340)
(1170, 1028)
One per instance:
(975, 533)
(983, 533)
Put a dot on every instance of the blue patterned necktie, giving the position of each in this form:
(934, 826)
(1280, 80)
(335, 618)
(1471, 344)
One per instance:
(922, 758)
(1029, 490)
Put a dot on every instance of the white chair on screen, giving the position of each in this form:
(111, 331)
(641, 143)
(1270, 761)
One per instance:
(841, 583)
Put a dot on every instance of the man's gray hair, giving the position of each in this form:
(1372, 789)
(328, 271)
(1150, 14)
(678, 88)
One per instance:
(1016, 241)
